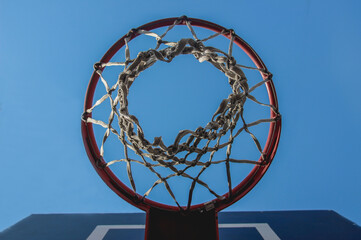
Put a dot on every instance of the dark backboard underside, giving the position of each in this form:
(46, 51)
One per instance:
(271, 225)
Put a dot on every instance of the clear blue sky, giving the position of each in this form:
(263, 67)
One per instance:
(48, 48)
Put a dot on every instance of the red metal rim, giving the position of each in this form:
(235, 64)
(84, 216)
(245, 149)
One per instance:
(145, 204)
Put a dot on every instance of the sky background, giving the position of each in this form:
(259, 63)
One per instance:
(48, 48)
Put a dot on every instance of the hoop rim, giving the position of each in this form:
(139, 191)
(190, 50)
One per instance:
(136, 199)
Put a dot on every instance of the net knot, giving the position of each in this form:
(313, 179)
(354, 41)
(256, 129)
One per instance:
(200, 46)
(212, 135)
(182, 160)
(230, 32)
(84, 116)
(132, 32)
(194, 163)
(200, 131)
(204, 150)
(97, 66)
(173, 149)
(268, 74)
(231, 61)
(183, 18)
(100, 164)
(192, 149)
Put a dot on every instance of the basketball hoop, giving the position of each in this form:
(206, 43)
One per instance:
(190, 221)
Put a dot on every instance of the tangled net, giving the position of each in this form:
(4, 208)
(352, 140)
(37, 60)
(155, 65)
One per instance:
(223, 122)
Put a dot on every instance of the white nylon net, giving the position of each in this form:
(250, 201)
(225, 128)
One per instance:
(227, 121)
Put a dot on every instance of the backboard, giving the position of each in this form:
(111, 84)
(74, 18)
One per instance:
(272, 225)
